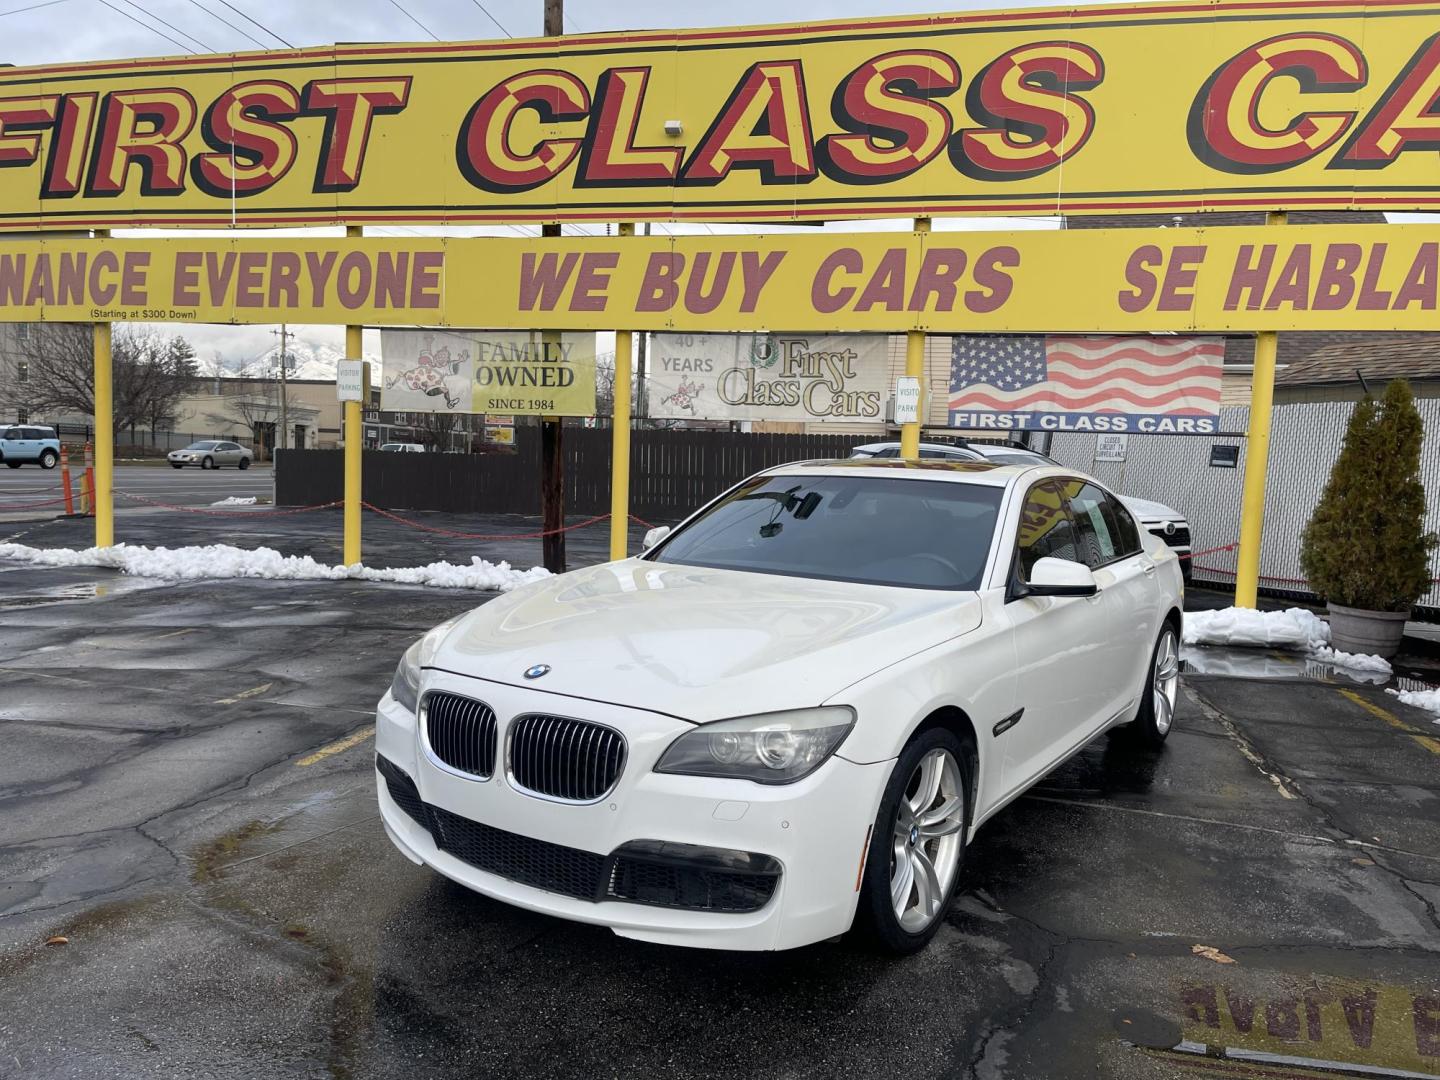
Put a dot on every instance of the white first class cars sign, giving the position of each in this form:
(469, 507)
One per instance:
(789, 377)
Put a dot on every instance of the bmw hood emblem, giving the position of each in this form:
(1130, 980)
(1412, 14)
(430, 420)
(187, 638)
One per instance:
(537, 670)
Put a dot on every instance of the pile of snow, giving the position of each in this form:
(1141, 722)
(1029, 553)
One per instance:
(225, 561)
(1353, 661)
(1293, 628)
(1420, 699)
(238, 500)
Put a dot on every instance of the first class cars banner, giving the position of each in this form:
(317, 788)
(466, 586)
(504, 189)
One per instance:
(1241, 278)
(1106, 109)
(837, 377)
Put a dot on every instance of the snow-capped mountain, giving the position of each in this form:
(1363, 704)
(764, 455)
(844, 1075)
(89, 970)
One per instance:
(305, 360)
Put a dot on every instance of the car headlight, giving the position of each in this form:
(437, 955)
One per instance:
(773, 748)
(405, 686)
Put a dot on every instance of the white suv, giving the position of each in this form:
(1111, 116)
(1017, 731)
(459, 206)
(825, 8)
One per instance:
(1155, 518)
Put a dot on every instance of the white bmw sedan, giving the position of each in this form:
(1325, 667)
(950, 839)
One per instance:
(790, 715)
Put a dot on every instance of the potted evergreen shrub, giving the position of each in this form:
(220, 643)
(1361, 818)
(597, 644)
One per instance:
(1366, 550)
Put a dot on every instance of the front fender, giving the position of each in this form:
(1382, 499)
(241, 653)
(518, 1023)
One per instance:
(974, 673)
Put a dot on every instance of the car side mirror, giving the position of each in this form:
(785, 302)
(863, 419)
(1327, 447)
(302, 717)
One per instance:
(654, 536)
(1061, 577)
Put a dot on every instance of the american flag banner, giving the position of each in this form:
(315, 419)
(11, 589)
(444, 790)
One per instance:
(1057, 382)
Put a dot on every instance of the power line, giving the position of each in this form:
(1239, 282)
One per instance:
(172, 26)
(492, 18)
(147, 26)
(32, 7)
(248, 36)
(404, 11)
(261, 25)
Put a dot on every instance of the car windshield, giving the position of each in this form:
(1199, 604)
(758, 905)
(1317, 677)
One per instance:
(926, 534)
(202, 446)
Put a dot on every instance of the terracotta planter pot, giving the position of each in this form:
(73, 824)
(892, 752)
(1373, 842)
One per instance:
(1355, 630)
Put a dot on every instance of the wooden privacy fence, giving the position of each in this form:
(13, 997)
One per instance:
(671, 472)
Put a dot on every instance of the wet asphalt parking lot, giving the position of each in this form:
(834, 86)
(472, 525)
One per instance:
(187, 797)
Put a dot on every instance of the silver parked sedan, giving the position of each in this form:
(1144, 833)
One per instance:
(211, 454)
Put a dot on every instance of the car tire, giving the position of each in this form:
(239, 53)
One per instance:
(244, 463)
(1156, 717)
(48, 459)
(13, 464)
(207, 463)
(176, 465)
(896, 925)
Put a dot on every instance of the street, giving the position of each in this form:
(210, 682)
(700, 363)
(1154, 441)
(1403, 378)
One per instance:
(29, 489)
(190, 804)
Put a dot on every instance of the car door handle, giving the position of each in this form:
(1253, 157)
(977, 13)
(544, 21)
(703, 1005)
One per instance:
(1149, 568)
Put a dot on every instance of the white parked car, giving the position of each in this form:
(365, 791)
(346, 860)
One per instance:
(1157, 518)
(791, 714)
(403, 447)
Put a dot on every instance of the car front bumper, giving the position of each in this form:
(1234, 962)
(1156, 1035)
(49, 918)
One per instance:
(815, 829)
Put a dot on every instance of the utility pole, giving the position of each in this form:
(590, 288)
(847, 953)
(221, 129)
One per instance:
(283, 333)
(552, 444)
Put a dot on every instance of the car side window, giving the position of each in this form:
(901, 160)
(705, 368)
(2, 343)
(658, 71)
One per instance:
(32, 433)
(1096, 524)
(1129, 532)
(11, 433)
(1046, 530)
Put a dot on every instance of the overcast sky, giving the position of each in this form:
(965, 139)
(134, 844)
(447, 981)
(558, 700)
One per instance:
(103, 29)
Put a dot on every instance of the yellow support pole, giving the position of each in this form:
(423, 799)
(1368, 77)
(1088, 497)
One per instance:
(104, 498)
(1257, 462)
(620, 440)
(915, 369)
(354, 350)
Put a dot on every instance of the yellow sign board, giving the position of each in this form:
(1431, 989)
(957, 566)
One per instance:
(1093, 110)
(1304, 277)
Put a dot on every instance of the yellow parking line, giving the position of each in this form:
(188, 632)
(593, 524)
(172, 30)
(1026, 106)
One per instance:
(1428, 742)
(337, 747)
(245, 694)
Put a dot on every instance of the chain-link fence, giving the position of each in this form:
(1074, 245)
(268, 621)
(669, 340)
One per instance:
(1305, 440)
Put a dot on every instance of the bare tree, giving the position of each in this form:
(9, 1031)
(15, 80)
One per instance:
(605, 384)
(149, 373)
(435, 429)
(164, 373)
(256, 404)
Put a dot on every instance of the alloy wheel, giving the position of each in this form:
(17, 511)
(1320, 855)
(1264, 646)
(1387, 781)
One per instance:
(1166, 680)
(928, 840)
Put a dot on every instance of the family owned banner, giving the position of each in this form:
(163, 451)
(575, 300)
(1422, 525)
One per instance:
(488, 371)
(788, 377)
